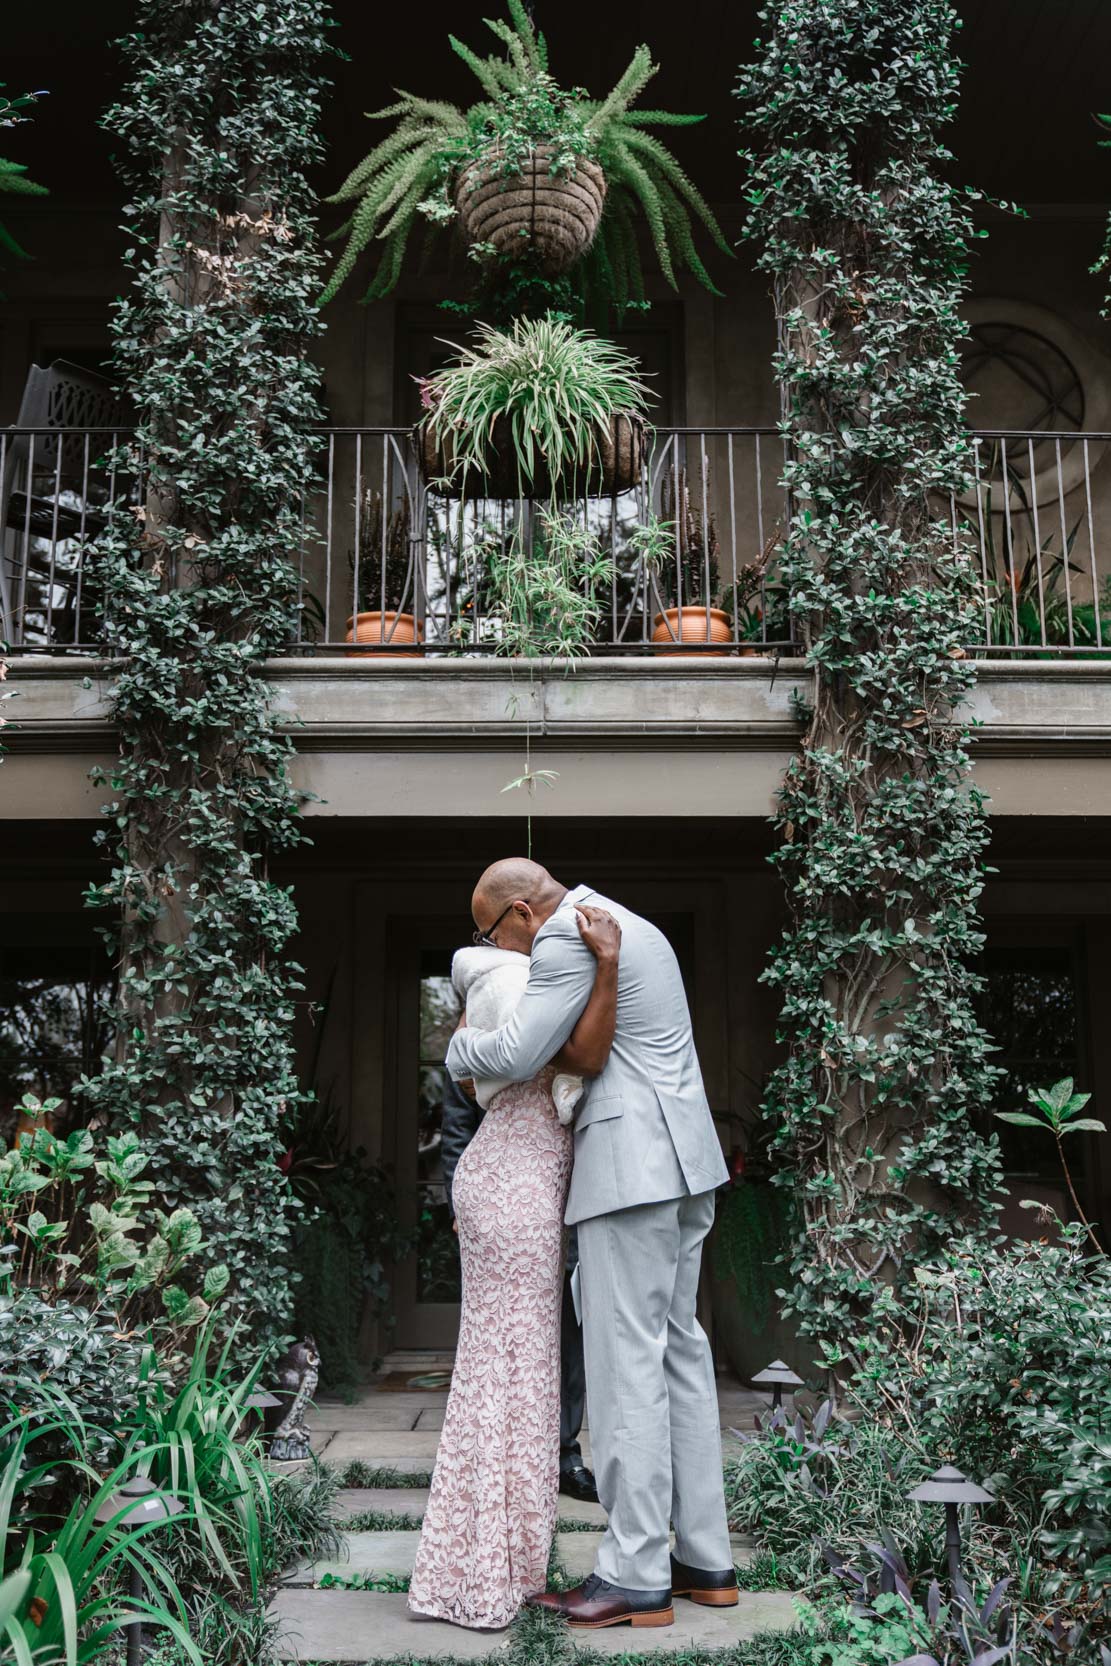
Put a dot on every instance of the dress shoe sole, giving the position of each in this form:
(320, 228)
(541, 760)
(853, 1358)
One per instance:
(647, 1617)
(725, 1598)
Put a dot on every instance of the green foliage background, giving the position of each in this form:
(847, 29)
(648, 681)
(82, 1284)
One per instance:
(215, 131)
(882, 835)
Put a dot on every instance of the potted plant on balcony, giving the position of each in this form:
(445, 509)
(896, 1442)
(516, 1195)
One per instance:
(531, 171)
(382, 581)
(679, 550)
(539, 410)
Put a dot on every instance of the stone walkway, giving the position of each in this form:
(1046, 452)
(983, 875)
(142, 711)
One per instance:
(398, 1432)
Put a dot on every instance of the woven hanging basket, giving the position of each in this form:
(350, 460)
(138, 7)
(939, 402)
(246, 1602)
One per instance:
(555, 216)
(616, 466)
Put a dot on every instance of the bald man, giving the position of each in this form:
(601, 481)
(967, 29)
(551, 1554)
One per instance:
(647, 1163)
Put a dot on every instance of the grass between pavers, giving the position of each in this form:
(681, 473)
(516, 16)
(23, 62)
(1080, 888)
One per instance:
(382, 1521)
(358, 1473)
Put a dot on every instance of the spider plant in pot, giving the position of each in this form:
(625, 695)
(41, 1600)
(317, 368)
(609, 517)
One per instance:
(532, 170)
(382, 581)
(539, 410)
(679, 551)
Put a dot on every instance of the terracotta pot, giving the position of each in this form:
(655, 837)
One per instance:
(397, 629)
(676, 625)
(554, 216)
(617, 465)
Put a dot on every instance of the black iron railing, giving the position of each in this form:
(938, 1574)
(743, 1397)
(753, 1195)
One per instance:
(377, 539)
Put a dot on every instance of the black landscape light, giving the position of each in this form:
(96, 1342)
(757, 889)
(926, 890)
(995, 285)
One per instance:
(949, 1487)
(142, 1502)
(777, 1376)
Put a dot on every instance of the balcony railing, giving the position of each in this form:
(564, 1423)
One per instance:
(377, 538)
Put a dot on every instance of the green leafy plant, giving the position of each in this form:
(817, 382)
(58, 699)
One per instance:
(410, 176)
(553, 391)
(802, 1481)
(1058, 1106)
(199, 588)
(192, 1438)
(349, 1239)
(750, 1232)
(874, 1112)
(13, 175)
(382, 574)
(80, 1217)
(62, 1599)
(998, 1362)
(546, 601)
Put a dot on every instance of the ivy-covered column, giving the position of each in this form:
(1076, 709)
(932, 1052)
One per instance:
(879, 1105)
(215, 129)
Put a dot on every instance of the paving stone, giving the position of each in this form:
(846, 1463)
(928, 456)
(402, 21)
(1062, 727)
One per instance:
(374, 1626)
(578, 1509)
(698, 1628)
(384, 1448)
(432, 1417)
(407, 1501)
(380, 1413)
(363, 1412)
(369, 1626)
(366, 1553)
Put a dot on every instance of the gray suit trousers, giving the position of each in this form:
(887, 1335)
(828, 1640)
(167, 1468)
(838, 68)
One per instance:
(651, 1397)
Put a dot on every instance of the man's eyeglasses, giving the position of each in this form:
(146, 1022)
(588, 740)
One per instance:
(485, 939)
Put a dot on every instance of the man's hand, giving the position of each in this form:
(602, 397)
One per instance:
(599, 931)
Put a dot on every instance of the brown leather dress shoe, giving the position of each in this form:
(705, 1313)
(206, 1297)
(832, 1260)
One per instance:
(596, 1603)
(711, 1590)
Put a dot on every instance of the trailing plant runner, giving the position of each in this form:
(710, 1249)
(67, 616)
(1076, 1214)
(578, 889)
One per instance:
(216, 129)
(876, 1107)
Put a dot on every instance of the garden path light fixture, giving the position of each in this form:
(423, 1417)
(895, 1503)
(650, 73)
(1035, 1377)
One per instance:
(778, 1376)
(949, 1487)
(142, 1502)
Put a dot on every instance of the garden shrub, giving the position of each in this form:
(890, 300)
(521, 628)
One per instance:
(799, 1484)
(78, 1351)
(1002, 1366)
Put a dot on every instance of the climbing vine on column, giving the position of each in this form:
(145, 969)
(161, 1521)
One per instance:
(197, 583)
(879, 1104)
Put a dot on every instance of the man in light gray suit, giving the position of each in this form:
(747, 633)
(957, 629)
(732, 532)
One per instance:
(647, 1162)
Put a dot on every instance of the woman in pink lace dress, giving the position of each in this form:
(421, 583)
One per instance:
(491, 1513)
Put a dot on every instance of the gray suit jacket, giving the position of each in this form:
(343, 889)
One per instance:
(643, 1131)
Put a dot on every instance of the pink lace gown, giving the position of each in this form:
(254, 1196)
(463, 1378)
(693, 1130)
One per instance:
(491, 1513)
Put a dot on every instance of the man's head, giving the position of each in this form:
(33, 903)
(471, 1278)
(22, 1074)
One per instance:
(511, 902)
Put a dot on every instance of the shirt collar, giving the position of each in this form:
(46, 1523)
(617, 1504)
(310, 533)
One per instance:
(578, 893)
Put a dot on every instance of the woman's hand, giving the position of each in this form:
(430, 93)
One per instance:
(600, 932)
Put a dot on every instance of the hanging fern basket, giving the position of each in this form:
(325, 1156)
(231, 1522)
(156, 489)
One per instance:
(616, 465)
(555, 217)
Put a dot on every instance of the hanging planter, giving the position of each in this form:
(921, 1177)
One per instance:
(532, 170)
(540, 410)
(534, 208)
(616, 466)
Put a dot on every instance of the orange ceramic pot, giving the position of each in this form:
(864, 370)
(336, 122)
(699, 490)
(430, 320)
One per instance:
(398, 629)
(676, 625)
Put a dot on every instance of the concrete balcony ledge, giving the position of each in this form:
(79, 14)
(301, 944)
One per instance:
(635, 736)
(65, 703)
